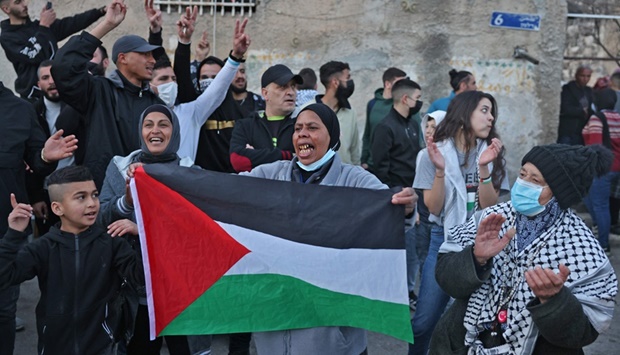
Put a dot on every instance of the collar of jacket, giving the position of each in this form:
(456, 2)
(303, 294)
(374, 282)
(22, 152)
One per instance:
(5, 25)
(120, 81)
(68, 239)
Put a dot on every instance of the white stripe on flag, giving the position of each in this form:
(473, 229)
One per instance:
(339, 270)
(145, 259)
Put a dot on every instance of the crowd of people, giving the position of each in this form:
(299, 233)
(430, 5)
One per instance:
(494, 278)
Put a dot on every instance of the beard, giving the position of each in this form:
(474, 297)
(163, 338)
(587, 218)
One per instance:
(239, 90)
(22, 15)
(51, 97)
(54, 98)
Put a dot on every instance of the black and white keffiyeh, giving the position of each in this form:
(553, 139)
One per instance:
(568, 241)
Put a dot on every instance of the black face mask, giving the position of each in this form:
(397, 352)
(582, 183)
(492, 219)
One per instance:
(95, 69)
(343, 93)
(415, 109)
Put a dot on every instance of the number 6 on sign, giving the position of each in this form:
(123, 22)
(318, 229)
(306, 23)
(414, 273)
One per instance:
(528, 22)
(498, 20)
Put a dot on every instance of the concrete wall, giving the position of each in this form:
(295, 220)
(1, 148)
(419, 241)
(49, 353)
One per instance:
(426, 38)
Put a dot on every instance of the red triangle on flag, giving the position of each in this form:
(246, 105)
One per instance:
(192, 250)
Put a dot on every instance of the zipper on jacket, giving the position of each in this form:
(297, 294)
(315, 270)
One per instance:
(43, 349)
(76, 345)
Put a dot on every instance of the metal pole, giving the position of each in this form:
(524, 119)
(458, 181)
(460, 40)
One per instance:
(592, 58)
(594, 16)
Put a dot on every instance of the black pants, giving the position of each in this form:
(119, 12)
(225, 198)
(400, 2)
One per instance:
(141, 345)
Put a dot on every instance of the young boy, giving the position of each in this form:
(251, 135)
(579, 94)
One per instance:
(78, 265)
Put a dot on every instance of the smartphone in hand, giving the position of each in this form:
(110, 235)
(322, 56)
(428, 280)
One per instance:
(48, 5)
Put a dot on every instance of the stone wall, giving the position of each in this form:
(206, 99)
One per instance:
(426, 38)
(581, 35)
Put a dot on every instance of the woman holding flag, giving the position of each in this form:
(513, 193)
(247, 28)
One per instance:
(160, 137)
(316, 141)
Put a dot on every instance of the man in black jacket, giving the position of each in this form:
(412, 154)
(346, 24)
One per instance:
(395, 142)
(268, 136)
(23, 140)
(575, 108)
(48, 109)
(112, 105)
(215, 134)
(27, 43)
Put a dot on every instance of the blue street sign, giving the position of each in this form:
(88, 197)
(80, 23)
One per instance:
(527, 22)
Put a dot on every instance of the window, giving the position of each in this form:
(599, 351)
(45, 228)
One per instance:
(233, 7)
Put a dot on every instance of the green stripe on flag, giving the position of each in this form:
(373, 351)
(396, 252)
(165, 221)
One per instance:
(265, 302)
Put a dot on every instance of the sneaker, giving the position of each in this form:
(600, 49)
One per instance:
(607, 251)
(413, 300)
(19, 324)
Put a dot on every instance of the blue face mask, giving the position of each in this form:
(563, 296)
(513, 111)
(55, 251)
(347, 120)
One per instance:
(319, 163)
(524, 196)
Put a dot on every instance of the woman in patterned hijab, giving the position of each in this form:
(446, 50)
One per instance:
(528, 276)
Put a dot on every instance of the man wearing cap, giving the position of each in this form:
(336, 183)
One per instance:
(28, 43)
(267, 135)
(111, 106)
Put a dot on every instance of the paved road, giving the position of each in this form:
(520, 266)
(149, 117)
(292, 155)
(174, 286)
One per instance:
(26, 341)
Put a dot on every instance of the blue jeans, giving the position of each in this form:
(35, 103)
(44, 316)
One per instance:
(597, 202)
(432, 300)
(413, 265)
(8, 308)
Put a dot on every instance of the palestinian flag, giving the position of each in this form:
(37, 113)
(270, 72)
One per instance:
(228, 254)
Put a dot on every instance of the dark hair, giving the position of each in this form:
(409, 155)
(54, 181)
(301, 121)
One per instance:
(44, 64)
(403, 87)
(605, 99)
(104, 52)
(210, 60)
(327, 71)
(162, 62)
(392, 73)
(309, 77)
(458, 117)
(457, 77)
(77, 173)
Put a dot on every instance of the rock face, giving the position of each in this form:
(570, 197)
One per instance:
(426, 38)
(584, 35)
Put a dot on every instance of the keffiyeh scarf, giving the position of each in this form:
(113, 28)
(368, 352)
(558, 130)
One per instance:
(568, 241)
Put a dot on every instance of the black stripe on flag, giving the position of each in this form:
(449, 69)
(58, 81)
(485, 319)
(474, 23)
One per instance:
(326, 216)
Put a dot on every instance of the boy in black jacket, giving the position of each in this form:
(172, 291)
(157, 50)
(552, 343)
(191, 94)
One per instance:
(78, 265)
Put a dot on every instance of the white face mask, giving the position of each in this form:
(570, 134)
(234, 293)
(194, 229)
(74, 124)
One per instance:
(168, 93)
(319, 163)
(204, 84)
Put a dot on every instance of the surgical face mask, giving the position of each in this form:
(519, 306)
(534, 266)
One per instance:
(524, 196)
(204, 84)
(168, 93)
(319, 163)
